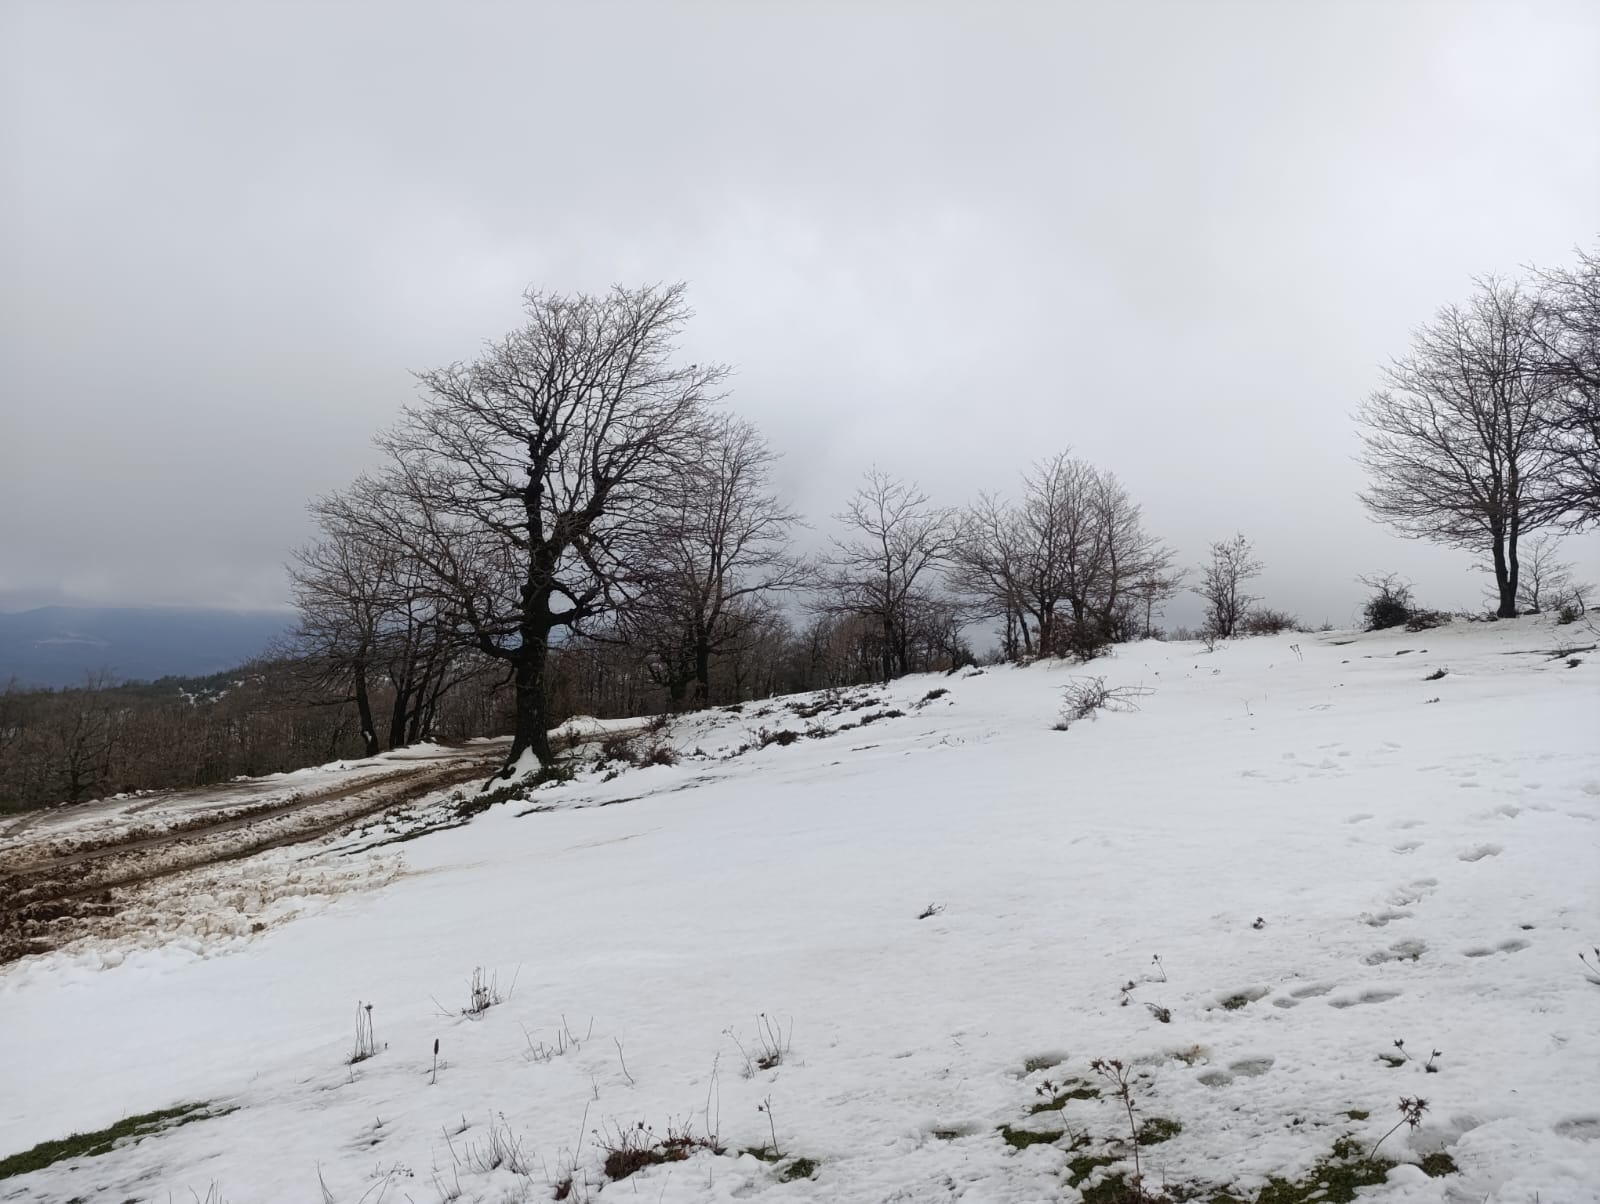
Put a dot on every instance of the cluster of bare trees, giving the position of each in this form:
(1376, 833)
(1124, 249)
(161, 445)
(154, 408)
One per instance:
(1489, 428)
(1067, 568)
(571, 512)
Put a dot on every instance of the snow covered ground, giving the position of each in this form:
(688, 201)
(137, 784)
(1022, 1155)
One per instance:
(1328, 849)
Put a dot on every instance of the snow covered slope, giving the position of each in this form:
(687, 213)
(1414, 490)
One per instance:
(1304, 848)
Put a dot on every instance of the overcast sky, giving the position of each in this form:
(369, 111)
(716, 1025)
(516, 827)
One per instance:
(947, 239)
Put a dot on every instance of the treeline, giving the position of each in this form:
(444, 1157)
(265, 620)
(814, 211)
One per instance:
(104, 738)
(572, 524)
(574, 510)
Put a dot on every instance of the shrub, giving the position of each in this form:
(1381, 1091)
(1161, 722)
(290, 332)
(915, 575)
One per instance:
(1082, 698)
(1264, 621)
(618, 746)
(1391, 603)
(660, 754)
(1426, 620)
(1081, 641)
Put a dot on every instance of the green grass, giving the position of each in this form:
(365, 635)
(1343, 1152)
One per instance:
(1081, 1167)
(1333, 1180)
(1437, 1165)
(1158, 1129)
(127, 1131)
(800, 1168)
(1058, 1100)
(1021, 1139)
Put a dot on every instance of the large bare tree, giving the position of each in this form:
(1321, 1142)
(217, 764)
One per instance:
(530, 483)
(1458, 445)
(1568, 301)
(884, 568)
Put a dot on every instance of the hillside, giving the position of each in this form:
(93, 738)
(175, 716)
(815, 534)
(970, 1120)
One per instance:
(59, 645)
(888, 930)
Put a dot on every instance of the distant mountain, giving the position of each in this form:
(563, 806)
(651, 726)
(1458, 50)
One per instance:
(58, 645)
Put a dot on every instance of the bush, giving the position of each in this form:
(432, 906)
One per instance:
(1082, 698)
(1264, 621)
(1391, 603)
(618, 747)
(1081, 641)
(1426, 620)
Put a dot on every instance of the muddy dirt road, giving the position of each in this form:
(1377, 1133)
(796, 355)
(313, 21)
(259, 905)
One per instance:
(70, 872)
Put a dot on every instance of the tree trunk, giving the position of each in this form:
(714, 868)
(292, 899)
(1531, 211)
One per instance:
(702, 671)
(1504, 580)
(369, 737)
(531, 731)
(397, 715)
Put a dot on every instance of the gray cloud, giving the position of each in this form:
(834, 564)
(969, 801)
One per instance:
(1179, 238)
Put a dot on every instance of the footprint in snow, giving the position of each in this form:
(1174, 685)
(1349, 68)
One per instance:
(1215, 1078)
(1378, 996)
(1384, 917)
(1234, 1000)
(1406, 823)
(1405, 846)
(1580, 1128)
(1312, 990)
(1516, 945)
(1479, 852)
(1400, 951)
(1359, 817)
(1413, 892)
(1252, 1067)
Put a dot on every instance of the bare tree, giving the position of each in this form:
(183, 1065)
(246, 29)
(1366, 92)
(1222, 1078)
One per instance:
(335, 583)
(1158, 582)
(722, 553)
(1066, 567)
(370, 626)
(534, 479)
(884, 568)
(1546, 580)
(1222, 584)
(990, 567)
(1568, 334)
(1458, 446)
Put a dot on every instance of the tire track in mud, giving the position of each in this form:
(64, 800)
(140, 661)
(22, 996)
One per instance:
(53, 891)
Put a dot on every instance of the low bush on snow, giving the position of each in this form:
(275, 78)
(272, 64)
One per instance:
(1080, 699)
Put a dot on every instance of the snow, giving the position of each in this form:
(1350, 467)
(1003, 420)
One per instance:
(1421, 870)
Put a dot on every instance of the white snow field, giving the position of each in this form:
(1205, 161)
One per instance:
(1328, 851)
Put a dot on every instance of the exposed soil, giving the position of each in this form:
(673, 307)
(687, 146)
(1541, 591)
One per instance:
(61, 880)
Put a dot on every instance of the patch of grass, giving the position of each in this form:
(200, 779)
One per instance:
(764, 1153)
(1080, 1168)
(1057, 1099)
(1357, 1114)
(1158, 1129)
(1437, 1165)
(1333, 1180)
(1234, 1002)
(127, 1131)
(1021, 1139)
(1115, 1189)
(800, 1168)
(1041, 1062)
